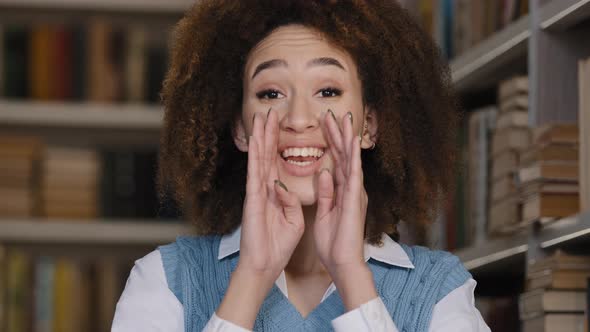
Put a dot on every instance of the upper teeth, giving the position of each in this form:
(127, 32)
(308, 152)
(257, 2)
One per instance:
(302, 152)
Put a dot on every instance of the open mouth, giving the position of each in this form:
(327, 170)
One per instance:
(303, 156)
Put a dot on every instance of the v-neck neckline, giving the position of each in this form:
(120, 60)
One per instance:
(278, 308)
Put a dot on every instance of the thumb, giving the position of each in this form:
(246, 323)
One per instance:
(290, 203)
(325, 193)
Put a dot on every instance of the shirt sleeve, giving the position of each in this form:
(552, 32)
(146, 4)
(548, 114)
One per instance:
(147, 304)
(456, 312)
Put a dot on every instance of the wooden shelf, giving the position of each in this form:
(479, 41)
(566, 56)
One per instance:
(493, 253)
(560, 15)
(480, 66)
(497, 253)
(90, 232)
(81, 115)
(139, 6)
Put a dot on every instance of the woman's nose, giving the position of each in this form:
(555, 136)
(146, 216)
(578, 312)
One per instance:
(300, 116)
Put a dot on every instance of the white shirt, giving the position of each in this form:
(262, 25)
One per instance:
(147, 304)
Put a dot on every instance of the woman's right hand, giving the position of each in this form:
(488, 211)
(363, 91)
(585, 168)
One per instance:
(272, 218)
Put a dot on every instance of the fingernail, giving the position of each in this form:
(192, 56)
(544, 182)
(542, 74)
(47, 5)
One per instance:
(253, 118)
(332, 114)
(324, 169)
(349, 115)
(360, 139)
(268, 113)
(282, 185)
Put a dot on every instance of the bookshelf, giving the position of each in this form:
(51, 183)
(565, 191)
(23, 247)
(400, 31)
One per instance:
(91, 232)
(81, 115)
(130, 6)
(546, 43)
(491, 60)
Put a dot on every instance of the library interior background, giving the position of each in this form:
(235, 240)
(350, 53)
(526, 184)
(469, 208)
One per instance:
(80, 121)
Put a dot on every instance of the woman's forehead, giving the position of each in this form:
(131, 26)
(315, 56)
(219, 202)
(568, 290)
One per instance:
(296, 44)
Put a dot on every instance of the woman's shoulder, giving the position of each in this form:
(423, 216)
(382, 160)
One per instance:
(192, 243)
(421, 255)
(437, 268)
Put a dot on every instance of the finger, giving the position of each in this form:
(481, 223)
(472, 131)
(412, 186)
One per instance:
(347, 138)
(291, 205)
(258, 133)
(271, 140)
(253, 176)
(325, 194)
(336, 146)
(354, 183)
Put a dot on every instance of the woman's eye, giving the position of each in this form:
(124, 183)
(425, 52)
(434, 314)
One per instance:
(330, 92)
(268, 94)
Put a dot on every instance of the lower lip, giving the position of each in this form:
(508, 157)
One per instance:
(307, 170)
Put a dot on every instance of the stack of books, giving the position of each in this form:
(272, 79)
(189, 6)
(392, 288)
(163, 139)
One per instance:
(555, 297)
(69, 186)
(481, 126)
(19, 164)
(548, 174)
(584, 123)
(512, 135)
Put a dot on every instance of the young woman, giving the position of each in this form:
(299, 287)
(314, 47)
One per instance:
(298, 134)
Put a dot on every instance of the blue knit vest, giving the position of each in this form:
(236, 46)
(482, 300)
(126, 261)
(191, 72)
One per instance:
(199, 280)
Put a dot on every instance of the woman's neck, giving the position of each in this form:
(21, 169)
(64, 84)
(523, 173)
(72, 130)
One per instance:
(305, 259)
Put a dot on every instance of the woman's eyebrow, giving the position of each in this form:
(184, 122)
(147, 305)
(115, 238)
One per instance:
(323, 61)
(269, 64)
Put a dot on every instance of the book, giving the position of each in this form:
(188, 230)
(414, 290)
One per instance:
(559, 260)
(549, 152)
(588, 305)
(518, 103)
(584, 132)
(558, 279)
(503, 214)
(543, 205)
(566, 133)
(554, 323)
(16, 61)
(503, 187)
(512, 119)
(481, 123)
(41, 62)
(540, 301)
(505, 164)
(548, 170)
(544, 186)
(515, 86)
(43, 294)
(514, 138)
(19, 293)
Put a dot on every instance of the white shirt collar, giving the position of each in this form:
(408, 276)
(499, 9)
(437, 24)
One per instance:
(390, 252)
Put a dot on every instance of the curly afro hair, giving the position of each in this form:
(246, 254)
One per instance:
(404, 79)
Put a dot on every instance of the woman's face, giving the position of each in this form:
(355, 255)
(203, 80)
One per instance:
(300, 76)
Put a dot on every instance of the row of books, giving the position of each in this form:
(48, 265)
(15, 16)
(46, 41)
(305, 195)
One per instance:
(514, 174)
(69, 182)
(96, 61)
(557, 294)
(457, 25)
(53, 293)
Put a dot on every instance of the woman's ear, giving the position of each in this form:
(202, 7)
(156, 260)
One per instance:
(239, 134)
(369, 130)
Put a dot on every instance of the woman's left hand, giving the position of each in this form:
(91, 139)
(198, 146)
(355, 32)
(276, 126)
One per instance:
(339, 226)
